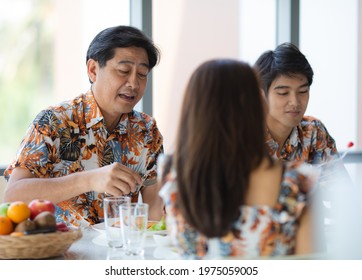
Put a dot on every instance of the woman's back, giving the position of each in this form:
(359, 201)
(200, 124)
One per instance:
(267, 224)
(264, 184)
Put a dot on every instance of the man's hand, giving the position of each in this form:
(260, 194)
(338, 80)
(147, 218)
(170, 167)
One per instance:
(115, 179)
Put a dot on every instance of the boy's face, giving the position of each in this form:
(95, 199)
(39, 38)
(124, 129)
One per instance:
(287, 100)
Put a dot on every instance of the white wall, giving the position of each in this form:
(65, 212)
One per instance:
(257, 28)
(188, 33)
(77, 23)
(329, 39)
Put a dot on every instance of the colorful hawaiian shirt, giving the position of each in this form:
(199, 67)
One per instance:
(309, 142)
(72, 137)
(258, 231)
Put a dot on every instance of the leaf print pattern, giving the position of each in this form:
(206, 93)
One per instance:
(72, 137)
(69, 145)
(309, 142)
(105, 155)
(47, 123)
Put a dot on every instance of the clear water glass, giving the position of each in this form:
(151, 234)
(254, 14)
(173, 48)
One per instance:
(111, 219)
(133, 220)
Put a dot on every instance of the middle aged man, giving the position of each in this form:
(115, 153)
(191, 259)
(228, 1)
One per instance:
(96, 144)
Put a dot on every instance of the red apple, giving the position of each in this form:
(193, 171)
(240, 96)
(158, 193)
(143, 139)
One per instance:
(40, 205)
(62, 227)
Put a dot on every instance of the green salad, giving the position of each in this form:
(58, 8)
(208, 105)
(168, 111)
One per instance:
(161, 225)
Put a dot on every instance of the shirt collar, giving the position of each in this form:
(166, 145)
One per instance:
(294, 138)
(92, 113)
(123, 123)
(94, 116)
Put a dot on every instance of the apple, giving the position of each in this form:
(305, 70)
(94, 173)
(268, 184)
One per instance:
(38, 206)
(4, 208)
(62, 227)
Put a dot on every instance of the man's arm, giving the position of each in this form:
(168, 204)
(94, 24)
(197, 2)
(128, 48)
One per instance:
(151, 197)
(115, 179)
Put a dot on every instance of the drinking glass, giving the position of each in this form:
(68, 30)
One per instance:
(112, 219)
(133, 219)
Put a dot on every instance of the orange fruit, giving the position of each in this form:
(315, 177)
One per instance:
(6, 225)
(18, 211)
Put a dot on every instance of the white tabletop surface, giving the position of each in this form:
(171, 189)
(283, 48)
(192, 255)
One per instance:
(93, 246)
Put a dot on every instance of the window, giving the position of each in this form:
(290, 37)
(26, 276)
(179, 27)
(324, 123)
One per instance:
(329, 39)
(42, 57)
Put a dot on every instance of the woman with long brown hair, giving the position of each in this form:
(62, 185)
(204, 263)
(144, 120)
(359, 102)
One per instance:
(223, 185)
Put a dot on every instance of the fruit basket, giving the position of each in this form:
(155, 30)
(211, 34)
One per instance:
(37, 246)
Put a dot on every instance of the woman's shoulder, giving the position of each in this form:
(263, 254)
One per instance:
(301, 175)
(298, 184)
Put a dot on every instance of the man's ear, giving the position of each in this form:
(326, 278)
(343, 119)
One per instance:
(92, 70)
(264, 101)
(263, 94)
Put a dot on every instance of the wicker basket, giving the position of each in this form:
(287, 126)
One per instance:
(37, 246)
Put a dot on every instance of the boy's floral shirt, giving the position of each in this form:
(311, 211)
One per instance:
(309, 142)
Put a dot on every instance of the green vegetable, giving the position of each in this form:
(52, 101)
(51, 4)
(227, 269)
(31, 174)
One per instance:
(161, 225)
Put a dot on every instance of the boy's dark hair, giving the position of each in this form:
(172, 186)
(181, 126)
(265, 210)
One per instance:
(287, 60)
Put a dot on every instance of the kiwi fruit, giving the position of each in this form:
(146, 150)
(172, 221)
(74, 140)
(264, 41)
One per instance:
(27, 225)
(45, 220)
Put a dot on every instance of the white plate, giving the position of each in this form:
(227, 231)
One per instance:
(162, 239)
(100, 240)
(101, 228)
(152, 232)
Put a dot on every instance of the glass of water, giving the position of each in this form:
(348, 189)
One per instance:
(133, 220)
(111, 218)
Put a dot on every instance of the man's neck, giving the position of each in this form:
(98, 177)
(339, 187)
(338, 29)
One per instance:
(279, 132)
(111, 122)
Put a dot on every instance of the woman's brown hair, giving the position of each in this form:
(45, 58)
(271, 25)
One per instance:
(220, 142)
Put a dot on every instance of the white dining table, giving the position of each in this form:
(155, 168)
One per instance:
(93, 246)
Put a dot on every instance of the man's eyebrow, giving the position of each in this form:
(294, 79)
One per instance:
(132, 62)
(286, 87)
(281, 87)
(304, 85)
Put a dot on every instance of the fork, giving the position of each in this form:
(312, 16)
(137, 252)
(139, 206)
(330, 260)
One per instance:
(139, 167)
(138, 187)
